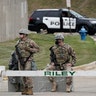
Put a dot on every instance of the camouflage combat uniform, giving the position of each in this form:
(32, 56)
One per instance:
(27, 48)
(62, 57)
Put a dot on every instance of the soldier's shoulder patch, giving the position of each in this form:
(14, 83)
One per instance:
(52, 47)
(28, 40)
(66, 45)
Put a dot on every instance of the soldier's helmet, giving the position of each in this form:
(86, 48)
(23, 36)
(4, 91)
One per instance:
(24, 31)
(59, 36)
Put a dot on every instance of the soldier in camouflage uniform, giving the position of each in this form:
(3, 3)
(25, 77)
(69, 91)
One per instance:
(62, 57)
(27, 48)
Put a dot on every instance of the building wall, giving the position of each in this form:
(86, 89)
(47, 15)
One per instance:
(13, 16)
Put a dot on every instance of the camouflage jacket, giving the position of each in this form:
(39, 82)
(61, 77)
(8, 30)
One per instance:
(62, 54)
(27, 47)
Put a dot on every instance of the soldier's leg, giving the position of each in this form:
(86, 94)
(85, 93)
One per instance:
(52, 79)
(19, 84)
(28, 86)
(16, 84)
(28, 81)
(69, 78)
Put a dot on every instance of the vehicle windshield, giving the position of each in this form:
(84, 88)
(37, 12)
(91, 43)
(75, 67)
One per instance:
(76, 14)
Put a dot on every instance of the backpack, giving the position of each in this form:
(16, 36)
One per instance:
(13, 63)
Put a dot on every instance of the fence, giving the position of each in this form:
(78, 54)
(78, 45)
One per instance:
(13, 16)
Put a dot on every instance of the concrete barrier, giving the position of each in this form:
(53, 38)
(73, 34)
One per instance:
(90, 66)
(2, 68)
(42, 84)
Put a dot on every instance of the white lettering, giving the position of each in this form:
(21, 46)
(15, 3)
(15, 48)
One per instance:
(54, 23)
(69, 23)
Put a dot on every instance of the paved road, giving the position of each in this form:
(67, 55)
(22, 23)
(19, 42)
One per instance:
(83, 86)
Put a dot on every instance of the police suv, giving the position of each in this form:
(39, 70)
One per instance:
(60, 20)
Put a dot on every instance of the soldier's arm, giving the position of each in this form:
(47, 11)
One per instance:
(52, 58)
(33, 47)
(73, 55)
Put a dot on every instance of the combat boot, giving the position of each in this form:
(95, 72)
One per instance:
(17, 87)
(29, 91)
(54, 87)
(25, 91)
(68, 89)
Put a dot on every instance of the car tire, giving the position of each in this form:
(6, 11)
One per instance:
(42, 29)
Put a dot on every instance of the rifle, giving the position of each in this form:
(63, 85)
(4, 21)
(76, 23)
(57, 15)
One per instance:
(53, 59)
(21, 60)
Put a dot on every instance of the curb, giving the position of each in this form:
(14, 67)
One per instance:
(90, 66)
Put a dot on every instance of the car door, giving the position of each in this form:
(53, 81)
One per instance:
(68, 22)
(52, 20)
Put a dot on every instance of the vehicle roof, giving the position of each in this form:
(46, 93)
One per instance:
(64, 9)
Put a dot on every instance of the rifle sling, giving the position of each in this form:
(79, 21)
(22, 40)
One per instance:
(58, 64)
(27, 58)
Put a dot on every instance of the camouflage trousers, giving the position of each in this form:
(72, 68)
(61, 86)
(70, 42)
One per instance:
(27, 81)
(66, 67)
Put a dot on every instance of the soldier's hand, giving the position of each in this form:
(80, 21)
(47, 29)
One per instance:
(69, 64)
(52, 63)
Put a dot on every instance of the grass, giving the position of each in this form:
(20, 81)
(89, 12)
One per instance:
(85, 7)
(85, 50)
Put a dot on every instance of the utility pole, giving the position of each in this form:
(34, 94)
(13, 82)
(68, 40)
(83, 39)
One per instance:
(68, 4)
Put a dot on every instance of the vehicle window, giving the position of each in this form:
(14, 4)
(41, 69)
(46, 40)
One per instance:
(53, 14)
(39, 13)
(64, 14)
(76, 14)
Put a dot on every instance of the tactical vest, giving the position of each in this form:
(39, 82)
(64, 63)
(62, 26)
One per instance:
(22, 45)
(61, 53)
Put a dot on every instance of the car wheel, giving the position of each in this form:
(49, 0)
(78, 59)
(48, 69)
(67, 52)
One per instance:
(42, 29)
